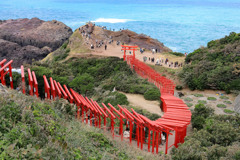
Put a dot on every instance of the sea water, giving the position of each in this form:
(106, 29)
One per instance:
(182, 25)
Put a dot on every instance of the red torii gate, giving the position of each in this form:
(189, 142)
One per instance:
(128, 48)
(3, 73)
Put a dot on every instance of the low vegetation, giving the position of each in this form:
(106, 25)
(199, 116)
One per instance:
(228, 111)
(188, 99)
(189, 104)
(202, 101)
(97, 78)
(221, 106)
(198, 95)
(214, 137)
(211, 98)
(216, 66)
(32, 129)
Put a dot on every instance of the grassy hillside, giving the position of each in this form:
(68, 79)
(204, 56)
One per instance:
(216, 66)
(34, 129)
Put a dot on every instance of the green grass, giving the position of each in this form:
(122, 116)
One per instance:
(198, 95)
(224, 97)
(228, 111)
(227, 102)
(221, 106)
(188, 99)
(202, 101)
(189, 104)
(212, 98)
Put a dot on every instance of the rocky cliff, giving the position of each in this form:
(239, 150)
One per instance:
(26, 39)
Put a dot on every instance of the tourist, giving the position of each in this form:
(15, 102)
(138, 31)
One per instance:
(126, 133)
(105, 46)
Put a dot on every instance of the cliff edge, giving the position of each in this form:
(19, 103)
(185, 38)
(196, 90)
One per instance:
(26, 39)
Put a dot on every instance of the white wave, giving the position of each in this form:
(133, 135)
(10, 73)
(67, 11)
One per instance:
(112, 20)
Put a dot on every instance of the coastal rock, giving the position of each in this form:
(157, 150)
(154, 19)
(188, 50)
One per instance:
(26, 39)
(237, 104)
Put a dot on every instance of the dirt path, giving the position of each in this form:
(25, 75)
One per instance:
(138, 100)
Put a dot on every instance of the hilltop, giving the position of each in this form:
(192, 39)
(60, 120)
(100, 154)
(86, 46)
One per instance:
(79, 43)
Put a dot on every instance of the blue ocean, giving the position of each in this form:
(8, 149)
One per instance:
(182, 25)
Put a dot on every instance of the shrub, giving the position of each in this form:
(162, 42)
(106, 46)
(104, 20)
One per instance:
(116, 98)
(179, 87)
(224, 97)
(200, 113)
(227, 102)
(177, 54)
(152, 94)
(212, 98)
(221, 106)
(228, 111)
(188, 99)
(189, 104)
(198, 95)
(83, 83)
(202, 101)
(214, 66)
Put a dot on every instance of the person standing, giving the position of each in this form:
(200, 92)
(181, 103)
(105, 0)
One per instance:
(105, 46)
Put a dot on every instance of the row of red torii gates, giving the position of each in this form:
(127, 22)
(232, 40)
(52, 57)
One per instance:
(176, 118)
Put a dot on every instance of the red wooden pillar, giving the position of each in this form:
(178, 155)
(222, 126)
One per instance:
(53, 91)
(142, 130)
(153, 140)
(35, 84)
(157, 134)
(10, 75)
(149, 139)
(30, 80)
(23, 80)
(166, 146)
(2, 72)
(131, 130)
(46, 87)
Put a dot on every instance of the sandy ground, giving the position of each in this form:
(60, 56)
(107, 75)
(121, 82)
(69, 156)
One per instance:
(115, 50)
(138, 100)
(210, 103)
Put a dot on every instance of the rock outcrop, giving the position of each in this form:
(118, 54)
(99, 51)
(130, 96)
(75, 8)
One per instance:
(26, 39)
(237, 104)
(124, 36)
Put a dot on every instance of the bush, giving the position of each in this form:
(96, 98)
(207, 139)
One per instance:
(228, 111)
(224, 97)
(214, 66)
(116, 98)
(202, 101)
(221, 106)
(227, 102)
(179, 87)
(177, 54)
(189, 104)
(212, 98)
(152, 94)
(200, 113)
(188, 99)
(198, 95)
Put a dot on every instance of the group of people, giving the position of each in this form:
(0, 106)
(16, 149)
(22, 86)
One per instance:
(161, 61)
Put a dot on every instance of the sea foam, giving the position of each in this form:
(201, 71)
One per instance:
(111, 20)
